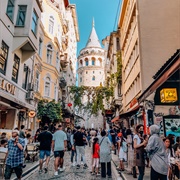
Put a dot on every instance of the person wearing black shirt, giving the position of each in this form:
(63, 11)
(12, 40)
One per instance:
(45, 139)
(80, 150)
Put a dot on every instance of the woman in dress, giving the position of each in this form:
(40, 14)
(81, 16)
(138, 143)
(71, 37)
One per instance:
(105, 154)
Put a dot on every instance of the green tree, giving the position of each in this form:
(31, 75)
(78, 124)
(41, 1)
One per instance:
(49, 111)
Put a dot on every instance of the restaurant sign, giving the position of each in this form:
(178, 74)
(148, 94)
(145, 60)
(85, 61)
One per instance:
(6, 86)
(168, 95)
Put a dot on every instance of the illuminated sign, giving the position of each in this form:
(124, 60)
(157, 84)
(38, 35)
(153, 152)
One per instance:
(32, 114)
(6, 86)
(168, 95)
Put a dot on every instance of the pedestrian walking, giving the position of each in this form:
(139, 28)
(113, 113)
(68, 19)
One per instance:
(157, 155)
(170, 154)
(105, 155)
(15, 156)
(95, 156)
(122, 149)
(73, 149)
(139, 145)
(45, 139)
(22, 132)
(59, 146)
(80, 150)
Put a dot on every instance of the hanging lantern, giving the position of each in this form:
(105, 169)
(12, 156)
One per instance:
(69, 104)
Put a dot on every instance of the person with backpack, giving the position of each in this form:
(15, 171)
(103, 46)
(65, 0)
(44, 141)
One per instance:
(122, 148)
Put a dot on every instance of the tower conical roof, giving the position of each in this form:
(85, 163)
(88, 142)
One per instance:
(93, 40)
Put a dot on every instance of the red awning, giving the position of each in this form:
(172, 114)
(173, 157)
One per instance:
(115, 119)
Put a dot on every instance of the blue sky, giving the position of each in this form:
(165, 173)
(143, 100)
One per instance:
(104, 14)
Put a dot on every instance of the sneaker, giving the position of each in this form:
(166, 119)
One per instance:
(85, 166)
(74, 163)
(45, 170)
(92, 173)
(78, 166)
(62, 169)
(56, 173)
(40, 171)
(24, 165)
(98, 174)
(82, 162)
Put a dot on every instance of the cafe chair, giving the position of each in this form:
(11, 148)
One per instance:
(2, 161)
(32, 152)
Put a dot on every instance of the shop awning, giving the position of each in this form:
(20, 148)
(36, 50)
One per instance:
(130, 113)
(115, 119)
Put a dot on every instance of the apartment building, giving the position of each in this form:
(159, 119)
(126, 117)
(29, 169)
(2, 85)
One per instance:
(149, 32)
(19, 25)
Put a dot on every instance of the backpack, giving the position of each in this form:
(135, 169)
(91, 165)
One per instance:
(124, 146)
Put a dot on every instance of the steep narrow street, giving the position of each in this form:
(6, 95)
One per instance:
(70, 173)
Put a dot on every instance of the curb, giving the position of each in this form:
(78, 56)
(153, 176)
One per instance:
(32, 168)
(119, 173)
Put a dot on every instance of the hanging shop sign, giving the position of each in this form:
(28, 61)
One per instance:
(6, 86)
(168, 95)
(133, 102)
(31, 114)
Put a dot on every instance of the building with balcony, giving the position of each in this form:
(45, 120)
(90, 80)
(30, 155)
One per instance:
(55, 61)
(149, 32)
(19, 22)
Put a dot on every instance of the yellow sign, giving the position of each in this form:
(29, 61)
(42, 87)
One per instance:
(31, 114)
(168, 95)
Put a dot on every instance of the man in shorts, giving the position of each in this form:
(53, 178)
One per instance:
(59, 145)
(45, 139)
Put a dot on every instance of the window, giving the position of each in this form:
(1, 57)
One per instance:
(3, 57)
(117, 44)
(10, 9)
(80, 79)
(87, 63)
(40, 47)
(51, 24)
(36, 84)
(25, 76)
(21, 16)
(15, 68)
(93, 72)
(47, 86)
(34, 22)
(93, 62)
(93, 78)
(49, 54)
(57, 61)
(86, 72)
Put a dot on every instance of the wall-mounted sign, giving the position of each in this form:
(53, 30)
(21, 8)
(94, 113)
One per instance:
(31, 114)
(168, 95)
(6, 86)
(133, 102)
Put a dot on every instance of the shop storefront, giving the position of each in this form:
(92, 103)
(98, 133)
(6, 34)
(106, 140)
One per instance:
(14, 107)
(163, 96)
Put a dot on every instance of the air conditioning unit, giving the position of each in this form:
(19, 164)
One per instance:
(30, 95)
(30, 87)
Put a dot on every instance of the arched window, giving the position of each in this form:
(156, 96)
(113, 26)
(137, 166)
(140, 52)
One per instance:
(49, 54)
(86, 62)
(100, 61)
(51, 24)
(81, 63)
(47, 86)
(93, 61)
(93, 78)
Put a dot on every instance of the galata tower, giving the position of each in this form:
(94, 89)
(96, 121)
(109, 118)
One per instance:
(91, 73)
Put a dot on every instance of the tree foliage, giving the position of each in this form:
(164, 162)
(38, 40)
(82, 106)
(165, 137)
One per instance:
(50, 110)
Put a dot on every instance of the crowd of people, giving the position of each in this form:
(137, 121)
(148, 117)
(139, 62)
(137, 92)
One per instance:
(134, 147)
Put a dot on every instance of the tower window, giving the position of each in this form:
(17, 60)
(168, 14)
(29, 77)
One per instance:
(93, 78)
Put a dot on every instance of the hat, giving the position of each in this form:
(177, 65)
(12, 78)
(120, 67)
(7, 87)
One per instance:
(15, 131)
(119, 134)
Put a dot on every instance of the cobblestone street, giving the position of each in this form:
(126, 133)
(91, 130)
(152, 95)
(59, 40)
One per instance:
(70, 173)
